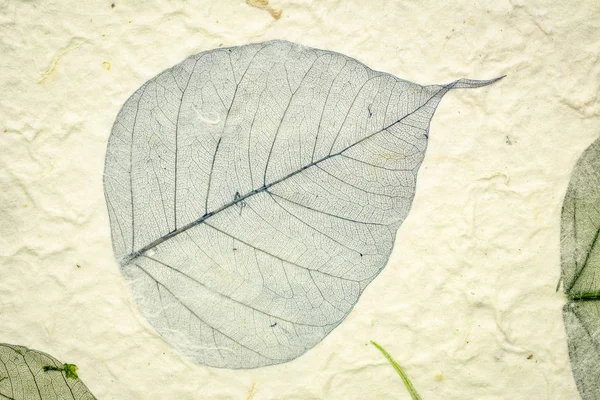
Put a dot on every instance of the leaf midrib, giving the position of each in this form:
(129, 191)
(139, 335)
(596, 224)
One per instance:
(130, 257)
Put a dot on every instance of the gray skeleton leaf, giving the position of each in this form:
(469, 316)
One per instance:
(255, 191)
(580, 259)
(32, 375)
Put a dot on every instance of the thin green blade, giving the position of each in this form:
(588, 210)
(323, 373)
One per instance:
(409, 386)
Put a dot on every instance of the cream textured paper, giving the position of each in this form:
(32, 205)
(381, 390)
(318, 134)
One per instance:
(469, 293)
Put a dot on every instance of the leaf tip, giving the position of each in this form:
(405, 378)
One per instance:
(472, 83)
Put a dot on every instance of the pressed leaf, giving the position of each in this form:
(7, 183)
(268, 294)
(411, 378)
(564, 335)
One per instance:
(580, 255)
(32, 375)
(255, 191)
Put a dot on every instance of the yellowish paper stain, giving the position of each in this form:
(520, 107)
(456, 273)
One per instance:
(264, 5)
(251, 392)
(46, 76)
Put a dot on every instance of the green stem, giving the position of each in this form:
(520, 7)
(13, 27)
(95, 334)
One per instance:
(584, 296)
(409, 386)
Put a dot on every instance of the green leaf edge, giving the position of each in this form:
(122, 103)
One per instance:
(407, 383)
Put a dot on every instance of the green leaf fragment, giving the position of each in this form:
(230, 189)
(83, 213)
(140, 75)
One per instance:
(584, 296)
(407, 383)
(70, 370)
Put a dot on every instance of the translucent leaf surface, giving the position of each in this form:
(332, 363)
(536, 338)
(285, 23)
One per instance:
(581, 271)
(255, 191)
(32, 375)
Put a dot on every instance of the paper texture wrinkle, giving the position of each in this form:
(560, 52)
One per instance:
(469, 292)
